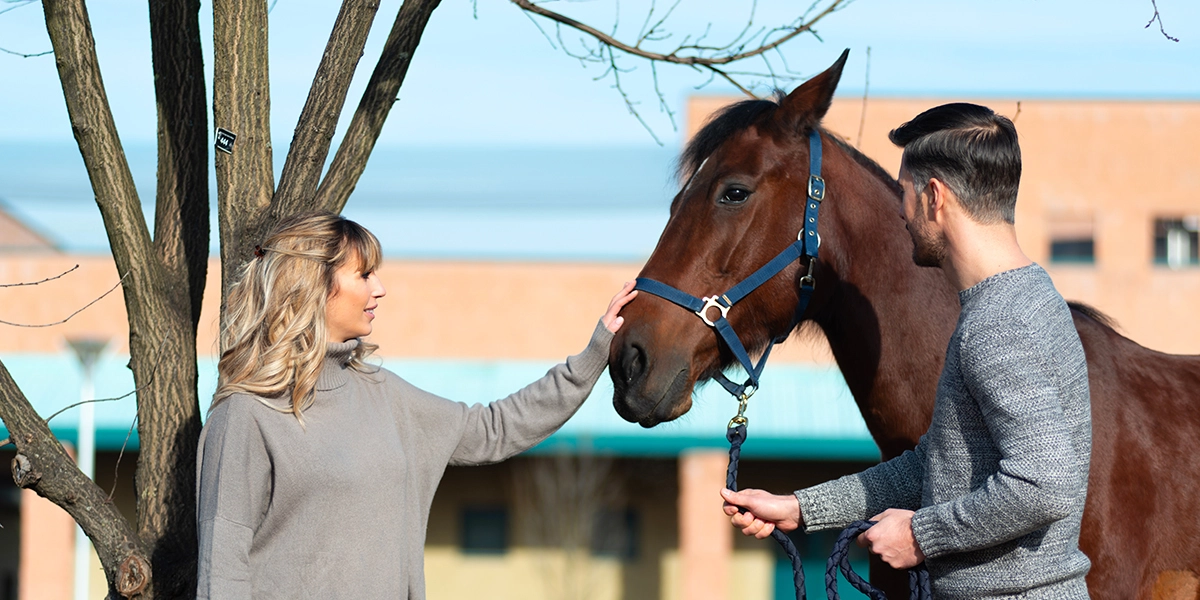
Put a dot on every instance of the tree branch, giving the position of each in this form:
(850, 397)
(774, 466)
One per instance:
(675, 56)
(1158, 17)
(315, 128)
(23, 55)
(351, 158)
(181, 218)
(42, 465)
(41, 281)
(85, 306)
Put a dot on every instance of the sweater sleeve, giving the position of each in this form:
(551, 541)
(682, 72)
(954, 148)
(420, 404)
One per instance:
(233, 490)
(484, 434)
(892, 484)
(1006, 367)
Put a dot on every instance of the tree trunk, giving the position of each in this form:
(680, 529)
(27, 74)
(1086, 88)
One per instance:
(158, 303)
(242, 105)
(167, 472)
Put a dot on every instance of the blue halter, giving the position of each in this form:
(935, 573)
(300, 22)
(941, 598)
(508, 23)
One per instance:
(806, 244)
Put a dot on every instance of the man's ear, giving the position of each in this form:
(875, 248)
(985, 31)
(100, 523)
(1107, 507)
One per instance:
(937, 195)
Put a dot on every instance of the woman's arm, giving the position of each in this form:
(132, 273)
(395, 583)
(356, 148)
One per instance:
(233, 488)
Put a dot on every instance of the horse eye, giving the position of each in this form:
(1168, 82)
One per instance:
(735, 196)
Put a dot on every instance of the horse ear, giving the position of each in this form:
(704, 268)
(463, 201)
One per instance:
(808, 103)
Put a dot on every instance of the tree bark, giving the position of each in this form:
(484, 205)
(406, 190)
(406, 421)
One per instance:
(161, 321)
(315, 128)
(241, 104)
(351, 158)
(181, 218)
(181, 236)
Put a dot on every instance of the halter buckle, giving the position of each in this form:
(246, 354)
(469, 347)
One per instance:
(816, 187)
(710, 302)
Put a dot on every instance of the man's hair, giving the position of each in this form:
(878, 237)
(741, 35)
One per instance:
(972, 150)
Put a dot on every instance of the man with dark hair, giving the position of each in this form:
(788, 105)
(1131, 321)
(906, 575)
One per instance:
(992, 497)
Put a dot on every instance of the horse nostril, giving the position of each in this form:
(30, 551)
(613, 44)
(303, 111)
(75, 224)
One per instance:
(633, 362)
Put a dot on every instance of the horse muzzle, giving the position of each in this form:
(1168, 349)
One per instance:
(649, 388)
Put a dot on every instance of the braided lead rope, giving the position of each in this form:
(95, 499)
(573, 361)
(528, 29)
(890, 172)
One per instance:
(918, 576)
(736, 436)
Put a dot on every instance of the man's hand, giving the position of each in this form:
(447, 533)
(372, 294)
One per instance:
(892, 539)
(765, 512)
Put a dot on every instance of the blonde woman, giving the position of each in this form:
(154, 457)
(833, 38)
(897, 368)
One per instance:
(316, 470)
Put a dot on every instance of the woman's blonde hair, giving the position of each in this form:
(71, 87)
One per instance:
(274, 336)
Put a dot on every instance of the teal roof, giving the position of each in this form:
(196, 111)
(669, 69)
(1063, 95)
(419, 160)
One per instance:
(802, 411)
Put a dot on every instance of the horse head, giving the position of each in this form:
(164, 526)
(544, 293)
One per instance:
(746, 174)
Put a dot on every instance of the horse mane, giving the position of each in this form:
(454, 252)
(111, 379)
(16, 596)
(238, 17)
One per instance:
(867, 163)
(738, 116)
(1092, 313)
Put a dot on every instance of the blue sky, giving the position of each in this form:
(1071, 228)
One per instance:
(484, 74)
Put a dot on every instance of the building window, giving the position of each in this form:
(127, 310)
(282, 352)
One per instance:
(615, 533)
(485, 530)
(1175, 242)
(1072, 240)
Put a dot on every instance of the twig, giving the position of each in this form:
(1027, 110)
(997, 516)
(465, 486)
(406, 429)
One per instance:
(153, 371)
(136, 390)
(862, 119)
(85, 307)
(4, 285)
(17, 4)
(117, 467)
(23, 55)
(1158, 17)
(1018, 113)
(731, 80)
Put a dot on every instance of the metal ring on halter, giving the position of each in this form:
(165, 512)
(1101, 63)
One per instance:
(710, 302)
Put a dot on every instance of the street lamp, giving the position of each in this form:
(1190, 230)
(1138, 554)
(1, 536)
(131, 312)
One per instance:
(87, 350)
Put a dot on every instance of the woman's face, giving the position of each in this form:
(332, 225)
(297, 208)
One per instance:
(351, 308)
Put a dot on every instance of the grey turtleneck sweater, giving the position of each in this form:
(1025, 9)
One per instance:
(998, 482)
(339, 508)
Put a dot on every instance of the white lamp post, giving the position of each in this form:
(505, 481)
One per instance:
(87, 350)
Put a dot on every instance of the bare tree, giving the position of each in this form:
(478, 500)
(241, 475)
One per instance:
(164, 269)
(561, 499)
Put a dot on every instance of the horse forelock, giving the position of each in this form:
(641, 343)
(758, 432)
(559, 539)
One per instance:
(723, 125)
(737, 117)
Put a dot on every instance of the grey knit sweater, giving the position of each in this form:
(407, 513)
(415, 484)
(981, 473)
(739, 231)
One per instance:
(339, 508)
(999, 480)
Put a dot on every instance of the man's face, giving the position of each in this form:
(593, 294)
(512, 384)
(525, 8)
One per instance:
(929, 247)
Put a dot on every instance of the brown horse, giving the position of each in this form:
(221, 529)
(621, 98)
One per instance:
(888, 322)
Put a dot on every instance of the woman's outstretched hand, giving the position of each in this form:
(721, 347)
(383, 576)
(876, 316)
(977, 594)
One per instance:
(623, 297)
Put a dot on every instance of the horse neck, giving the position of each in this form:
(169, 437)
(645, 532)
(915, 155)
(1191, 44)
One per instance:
(887, 320)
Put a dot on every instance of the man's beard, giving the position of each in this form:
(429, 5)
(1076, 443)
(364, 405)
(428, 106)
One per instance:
(929, 250)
